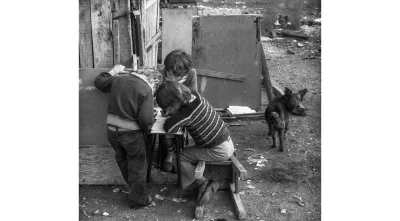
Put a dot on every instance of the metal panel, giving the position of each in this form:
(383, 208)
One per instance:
(228, 44)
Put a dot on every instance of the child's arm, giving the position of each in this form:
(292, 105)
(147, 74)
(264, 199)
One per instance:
(191, 82)
(145, 114)
(178, 120)
(103, 81)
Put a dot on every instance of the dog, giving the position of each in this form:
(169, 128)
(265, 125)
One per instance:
(277, 114)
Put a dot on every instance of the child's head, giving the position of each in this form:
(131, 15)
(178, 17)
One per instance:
(171, 95)
(176, 65)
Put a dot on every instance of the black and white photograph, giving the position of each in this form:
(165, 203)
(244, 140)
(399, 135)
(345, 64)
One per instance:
(205, 110)
(209, 110)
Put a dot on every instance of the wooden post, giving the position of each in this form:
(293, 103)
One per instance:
(101, 33)
(115, 31)
(265, 73)
(125, 31)
(85, 35)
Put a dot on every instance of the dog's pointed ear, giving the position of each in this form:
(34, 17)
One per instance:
(302, 93)
(287, 91)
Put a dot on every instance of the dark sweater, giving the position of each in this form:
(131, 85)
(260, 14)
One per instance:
(130, 98)
(202, 122)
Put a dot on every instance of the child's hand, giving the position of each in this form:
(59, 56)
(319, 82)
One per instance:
(117, 69)
(153, 84)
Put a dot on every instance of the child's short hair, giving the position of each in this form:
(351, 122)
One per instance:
(178, 62)
(171, 92)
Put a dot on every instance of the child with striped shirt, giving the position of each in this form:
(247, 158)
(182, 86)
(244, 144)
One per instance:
(210, 134)
(177, 67)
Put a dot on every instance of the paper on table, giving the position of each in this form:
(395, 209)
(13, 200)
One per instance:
(158, 126)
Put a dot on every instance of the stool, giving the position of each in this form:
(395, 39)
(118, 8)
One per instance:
(227, 173)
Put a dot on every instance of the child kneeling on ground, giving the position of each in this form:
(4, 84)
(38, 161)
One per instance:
(210, 134)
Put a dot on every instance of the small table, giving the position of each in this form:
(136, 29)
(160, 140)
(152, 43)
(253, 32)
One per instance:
(156, 130)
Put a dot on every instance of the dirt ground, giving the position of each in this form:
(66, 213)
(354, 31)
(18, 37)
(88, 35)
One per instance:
(280, 186)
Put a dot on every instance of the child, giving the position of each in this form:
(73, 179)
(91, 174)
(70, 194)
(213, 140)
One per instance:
(130, 116)
(210, 134)
(177, 67)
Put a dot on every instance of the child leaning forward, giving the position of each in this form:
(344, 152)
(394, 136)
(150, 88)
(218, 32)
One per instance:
(177, 67)
(210, 134)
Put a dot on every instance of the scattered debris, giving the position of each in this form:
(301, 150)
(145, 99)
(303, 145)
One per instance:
(105, 214)
(290, 51)
(179, 200)
(117, 190)
(84, 212)
(295, 34)
(163, 189)
(300, 201)
(159, 197)
(96, 212)
(250, 186)
(249, 149)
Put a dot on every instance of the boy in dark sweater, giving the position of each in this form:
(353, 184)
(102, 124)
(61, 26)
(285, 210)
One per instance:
(130, 117)
(210, 134)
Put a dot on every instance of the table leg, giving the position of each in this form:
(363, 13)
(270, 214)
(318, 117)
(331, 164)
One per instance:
(179, 141)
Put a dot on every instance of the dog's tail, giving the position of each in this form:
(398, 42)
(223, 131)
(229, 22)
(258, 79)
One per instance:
(277, 121)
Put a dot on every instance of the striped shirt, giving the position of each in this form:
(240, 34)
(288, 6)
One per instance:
(202, 122)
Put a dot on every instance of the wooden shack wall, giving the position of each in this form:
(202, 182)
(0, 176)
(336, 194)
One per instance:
(105, 42)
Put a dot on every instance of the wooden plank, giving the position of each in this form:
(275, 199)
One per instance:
(238, 167)
(102, 34)
(149, 3)
(215, 74)
(198, 172)
(228, 44)
(141, 26)
(177, 31)
(116, 43)
(150, 31)
(153, 40)
(85, 35)
(277, 90)
(222, 75)
(265, 73)
(295, 34)
(97, 165)
(240, 210)
(140, 39)
(125, 32)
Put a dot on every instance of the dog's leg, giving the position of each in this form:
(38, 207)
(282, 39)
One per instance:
(272, 131)
(281, 144)
(286, 129)
(269, 129)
